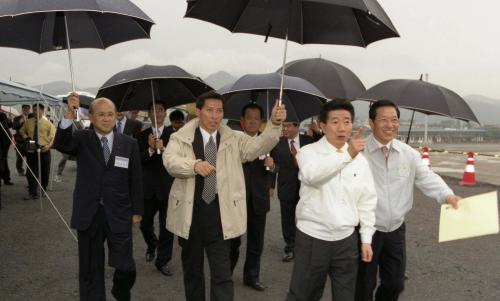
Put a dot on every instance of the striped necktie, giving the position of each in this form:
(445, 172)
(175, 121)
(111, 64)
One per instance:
(105, 149)
(210, 183)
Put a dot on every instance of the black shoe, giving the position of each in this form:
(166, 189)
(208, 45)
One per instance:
(256, 285)
(150, 255)
(165, 270)
(288, 256)
(8, 183)
(30, 197)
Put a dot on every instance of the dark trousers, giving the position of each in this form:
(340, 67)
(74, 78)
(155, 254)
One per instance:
(205, 235)
(288, 223)
(91, 260)
(256, 226)
(165, 240)
(389, 259)
(19, 162)
(32, 159)
(315, 259)
(6, 171)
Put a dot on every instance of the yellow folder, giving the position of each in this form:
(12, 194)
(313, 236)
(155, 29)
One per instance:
(475, 216)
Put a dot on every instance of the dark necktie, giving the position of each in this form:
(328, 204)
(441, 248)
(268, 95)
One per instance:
(210, 183)
(119, 127)
(36, 135)
(293, 150)
(105, 149)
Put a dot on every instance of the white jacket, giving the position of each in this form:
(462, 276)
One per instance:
(336, 194)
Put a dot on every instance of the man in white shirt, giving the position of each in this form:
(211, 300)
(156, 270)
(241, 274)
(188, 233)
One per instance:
(337, 194)
(396, 169)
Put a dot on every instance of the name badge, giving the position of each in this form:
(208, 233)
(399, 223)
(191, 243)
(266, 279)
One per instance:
(403, 170)
(121, 162)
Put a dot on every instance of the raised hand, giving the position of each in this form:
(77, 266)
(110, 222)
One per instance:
(356, 143)
(278, 114)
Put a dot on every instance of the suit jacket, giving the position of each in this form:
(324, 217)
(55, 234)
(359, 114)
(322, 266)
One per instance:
(156, 180)
(5, 138)
(257, 186)
(132, 128)
(17, 124)
(119, 189)
(288, 173)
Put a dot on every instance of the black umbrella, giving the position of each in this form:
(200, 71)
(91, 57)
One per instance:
(423, 97)
(301, 98)
(43, 26)
(354, 22)
(136, 89)
(334, 80)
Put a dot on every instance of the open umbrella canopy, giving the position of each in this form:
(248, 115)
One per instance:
(40, 26)
(334, 80)
(353, 22)
(301, 98)
(422, 97)
(136, 89)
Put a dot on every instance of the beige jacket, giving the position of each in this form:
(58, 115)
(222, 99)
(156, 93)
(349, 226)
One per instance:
(234, 149)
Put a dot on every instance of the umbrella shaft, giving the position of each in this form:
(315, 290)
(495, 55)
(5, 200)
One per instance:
(283, 69)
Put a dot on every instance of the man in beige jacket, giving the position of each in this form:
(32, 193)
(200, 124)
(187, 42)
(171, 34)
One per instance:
(207, 202)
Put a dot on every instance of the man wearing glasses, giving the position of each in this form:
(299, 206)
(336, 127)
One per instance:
(396, 168)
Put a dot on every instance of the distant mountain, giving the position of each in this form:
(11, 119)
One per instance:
(219, 79)
(62, 87)
(486, 109)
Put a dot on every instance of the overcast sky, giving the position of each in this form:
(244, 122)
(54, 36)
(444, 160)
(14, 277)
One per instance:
(451, 40)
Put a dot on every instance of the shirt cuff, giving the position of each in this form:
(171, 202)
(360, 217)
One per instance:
(151, 151)
(65, 123)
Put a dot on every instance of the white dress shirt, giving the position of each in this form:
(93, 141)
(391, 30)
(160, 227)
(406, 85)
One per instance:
(395, 179)
(336, 194)
(206, 137)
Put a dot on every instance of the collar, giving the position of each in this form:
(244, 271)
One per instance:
(110, 136)
(122, 121)
(295, 139)
(206, 135)
(373, 144)
(327, 147)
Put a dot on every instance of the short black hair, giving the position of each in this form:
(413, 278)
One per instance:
(333, 105)
(176, 115)
(200, 101)
(252, 106)
(157, 102)
(39, 105)
(372, 114)
(25, 106)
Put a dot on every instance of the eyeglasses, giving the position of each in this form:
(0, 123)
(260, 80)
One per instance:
(393, 121)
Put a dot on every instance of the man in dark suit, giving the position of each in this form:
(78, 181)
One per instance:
(107, 199)
(288, 182)
(157, 183)
(6, 137)
(126, 125)
(17, 124)
(257, 198)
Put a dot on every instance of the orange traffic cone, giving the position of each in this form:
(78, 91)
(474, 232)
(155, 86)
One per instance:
(425, 157)
(469, 178)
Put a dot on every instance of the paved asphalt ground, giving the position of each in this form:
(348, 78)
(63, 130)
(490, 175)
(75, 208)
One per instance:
(38, 256)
